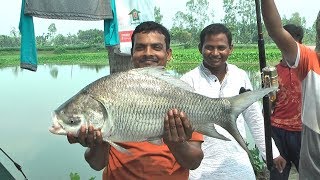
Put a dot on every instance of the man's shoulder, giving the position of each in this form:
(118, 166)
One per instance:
(233, 68)
(191, 73)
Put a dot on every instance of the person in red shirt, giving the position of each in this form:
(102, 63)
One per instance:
(181, 150)
(286, 117)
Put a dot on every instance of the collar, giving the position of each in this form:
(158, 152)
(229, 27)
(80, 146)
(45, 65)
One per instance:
(207, 72)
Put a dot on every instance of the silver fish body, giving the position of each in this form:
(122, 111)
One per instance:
(130, 107)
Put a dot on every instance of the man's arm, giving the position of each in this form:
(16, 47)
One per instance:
(280, 36)
(254, 120)
(98, 157)
(97, 153)
(178, 132)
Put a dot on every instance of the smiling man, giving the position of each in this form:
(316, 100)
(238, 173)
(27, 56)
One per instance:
(181, 150)
(216, 78)
(150, 46)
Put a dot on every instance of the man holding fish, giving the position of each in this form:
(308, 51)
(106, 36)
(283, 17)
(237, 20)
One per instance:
(182, 148)
(124, 115)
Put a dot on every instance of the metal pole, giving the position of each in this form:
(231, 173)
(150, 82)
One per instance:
(266, 101)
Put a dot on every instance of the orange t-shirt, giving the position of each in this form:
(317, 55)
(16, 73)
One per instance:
(147, 161)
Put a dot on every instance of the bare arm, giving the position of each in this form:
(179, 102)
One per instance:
(178, 132)
(97, 153)
(280, 36)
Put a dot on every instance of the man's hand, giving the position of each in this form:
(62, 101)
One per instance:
(177, 135)
(280, 163)
(89, 138)
(97, 153)
(177, 128)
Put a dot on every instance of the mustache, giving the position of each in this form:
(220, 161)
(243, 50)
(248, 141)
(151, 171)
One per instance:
(153, 59)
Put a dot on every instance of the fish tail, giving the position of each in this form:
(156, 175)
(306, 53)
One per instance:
(238, 104)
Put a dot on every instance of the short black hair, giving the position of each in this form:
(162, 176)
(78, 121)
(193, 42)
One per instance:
(295, 31)
(214, 29)
(151, 26)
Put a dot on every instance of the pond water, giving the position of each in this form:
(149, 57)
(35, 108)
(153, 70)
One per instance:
(27, 101)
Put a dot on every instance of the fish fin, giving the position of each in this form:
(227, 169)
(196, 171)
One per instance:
(210, 130)
(242, 101)
(155, 141)
(119, 148)
(238, 104)
(160, 73)
(231, 127)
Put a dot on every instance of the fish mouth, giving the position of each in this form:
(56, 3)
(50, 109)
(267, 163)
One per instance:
(56, 128)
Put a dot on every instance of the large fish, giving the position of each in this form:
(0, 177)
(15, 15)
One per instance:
(130, 107)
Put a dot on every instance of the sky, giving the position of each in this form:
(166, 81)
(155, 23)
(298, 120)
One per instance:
(10, 14)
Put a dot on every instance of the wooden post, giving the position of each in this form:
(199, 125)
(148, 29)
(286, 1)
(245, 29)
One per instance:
(118, 61)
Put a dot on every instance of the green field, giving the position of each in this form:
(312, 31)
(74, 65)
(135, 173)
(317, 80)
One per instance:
(244, 57)
(182, 61)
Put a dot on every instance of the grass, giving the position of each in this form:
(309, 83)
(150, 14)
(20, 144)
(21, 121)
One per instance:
(183, 60)
(12, 58)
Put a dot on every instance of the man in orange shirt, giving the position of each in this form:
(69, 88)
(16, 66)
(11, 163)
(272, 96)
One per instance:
(307, 64)
(182, 148)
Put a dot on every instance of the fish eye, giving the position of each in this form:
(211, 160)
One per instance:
(73, 121)
(62, 112)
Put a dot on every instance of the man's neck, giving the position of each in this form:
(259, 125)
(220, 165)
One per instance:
(219, 72)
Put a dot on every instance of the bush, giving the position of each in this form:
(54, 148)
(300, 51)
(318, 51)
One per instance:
(59, 50)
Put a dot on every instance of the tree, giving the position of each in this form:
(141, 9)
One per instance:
(246, 26)
(91, 36)
(42, 40)
(309, 32)
(59, 40)
(72, 39)
(179, 35)
(194, 19)
(295, 19)
(6, 41)
(52, 30)
(157, 15)
(195, 16)
(240, 18)
(230, 15)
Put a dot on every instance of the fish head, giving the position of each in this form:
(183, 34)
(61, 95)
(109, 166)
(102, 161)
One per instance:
(82, 109)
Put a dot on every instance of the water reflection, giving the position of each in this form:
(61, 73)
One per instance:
(27, 100)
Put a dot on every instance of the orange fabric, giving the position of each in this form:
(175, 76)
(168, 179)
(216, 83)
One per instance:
(309, 61)
(148, 161)
(287, 111)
